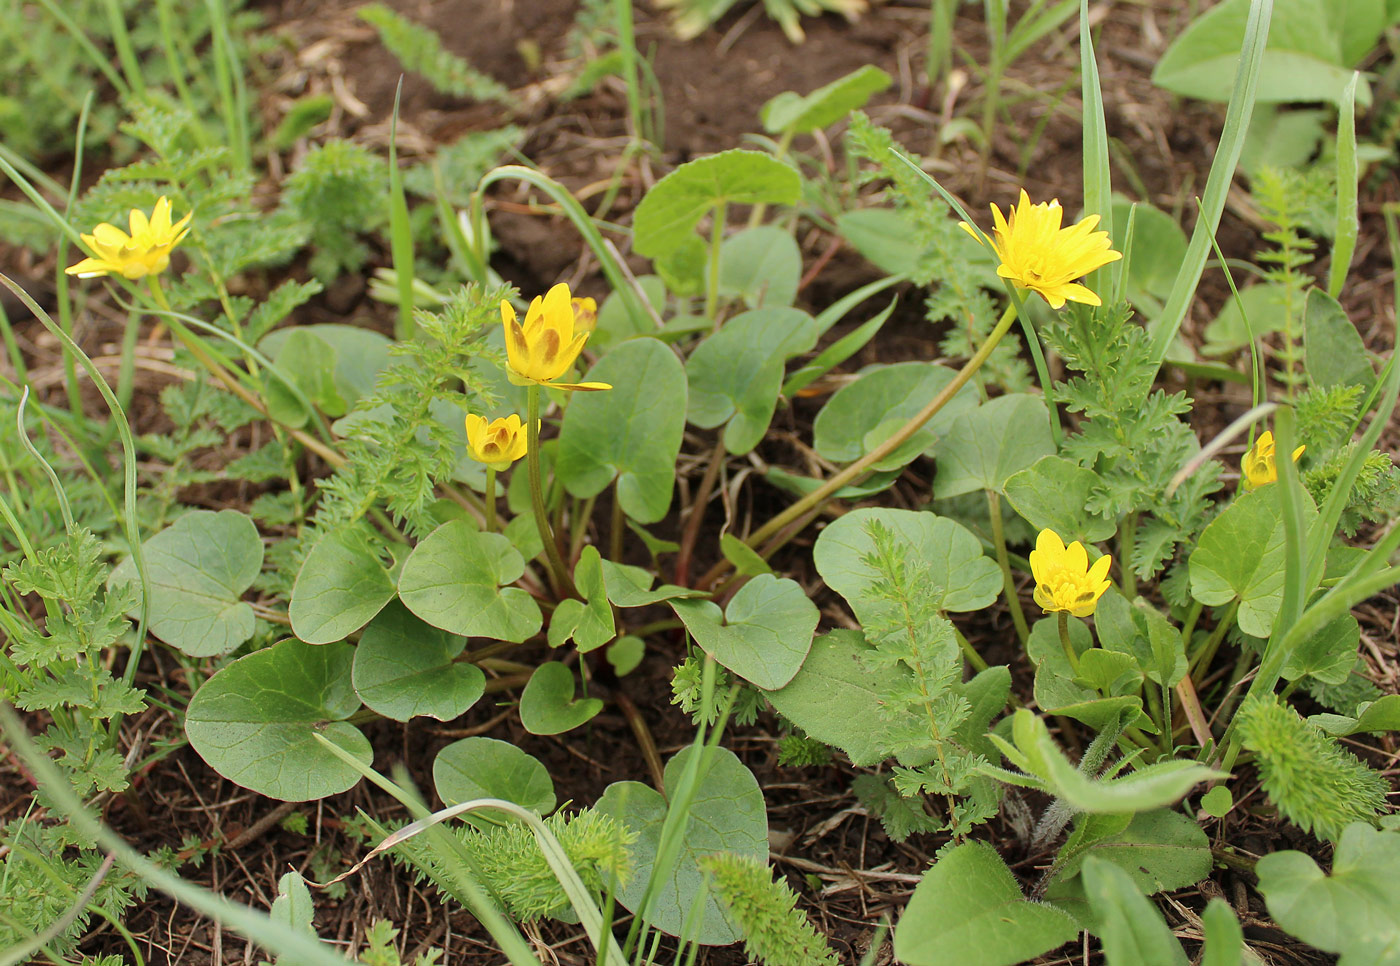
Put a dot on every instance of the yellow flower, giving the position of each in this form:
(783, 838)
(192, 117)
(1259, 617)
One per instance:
(1063, 578)
(498, 443)
(1037, 254)
(585, 315)
(547, 344)
(1258, 464)
(146, 251)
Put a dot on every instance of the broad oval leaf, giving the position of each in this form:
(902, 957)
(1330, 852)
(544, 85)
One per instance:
(726, 814)
(760, 265)
(865, 413)
(342, 584)
(767, 630)
(199, 568)
(455, 579)
(1053, 494)
(405, 668)
(631, 433)
(966, 579)
(667, 216)
(826, 105)
(969, 911)
(256, 719)
(480, 767)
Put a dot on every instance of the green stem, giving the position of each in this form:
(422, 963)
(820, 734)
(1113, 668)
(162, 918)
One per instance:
(712, 285)
(860, 467)
(1206, 654)
(976, 660)
(1065, 642)
(1013, 600)
(562, 584)
(490, 499)
(616, 529)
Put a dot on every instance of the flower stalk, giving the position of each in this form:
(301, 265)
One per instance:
(1013, 600)
(563, 584)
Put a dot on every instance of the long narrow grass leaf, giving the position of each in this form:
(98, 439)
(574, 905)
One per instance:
(1348, 226)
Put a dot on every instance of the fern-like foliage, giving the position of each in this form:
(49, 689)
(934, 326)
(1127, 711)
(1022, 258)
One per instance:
(339, 192)
(923, 706)
(509, 860)
(776, 933)
(1316, 784)
(961, 274)
(1325, 416)
(420, 50)
(1131, 435)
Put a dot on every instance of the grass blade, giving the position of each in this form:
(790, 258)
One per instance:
(1344, 241)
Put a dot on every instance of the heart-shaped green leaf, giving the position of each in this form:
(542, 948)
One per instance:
(1333, 351)
(761, 266)
(865, 413)
(963, 576)
(630, 586)
(405, 668)
(1241, 554)
(726, 814)
(988, 444)
(969, 911)
(255, 721)
(342, 584)
(487, 768)
(358, 355)
(1383, 714)
(199, 568)
(547, 705)
(766, 633)
(455, 579)
(737, 373)
(632, 433)
(668, 215)
(589, 623)
(1053, 494)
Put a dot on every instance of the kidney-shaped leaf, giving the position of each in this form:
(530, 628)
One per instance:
(487, 768)
(760, 265)
(767, 630)
(455, 579)
(1053, 493)
(988, 444)
(405, 668)
(198, 568)
(726, 815)
(341, 586)
(1241, 554)
(631, 433)
(255, 721)
(962, 575)
(673, 207)
(969, 911)
(547, 705)
(737, 373)
(865, 413)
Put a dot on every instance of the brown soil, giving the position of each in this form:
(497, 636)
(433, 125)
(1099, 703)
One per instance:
(849, 874)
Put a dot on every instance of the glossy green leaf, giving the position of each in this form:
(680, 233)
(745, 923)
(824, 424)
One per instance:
(746, 561)
(826, 105)
(309, 363)
(1161, 850)
(865, 413)
(1157, 250)
(766, 633)
(405, 668)
(735, 375)
(1382, 714)
(1140, 630)
(480, 767)
(615, 321)
(986, 445)
(198, 568)
(969, 911)
(547, 705)
(1053, 494)
(256, 719)
(1333, 352)
(630, 586)
(885, 237)
(1224, 944)
(1329, 655)
(357, 353)
(455, 579)
(631, 433)
(671, 210)
(625, 654)
(727, 814)
(1355, 911)
(963, 576)
(342, 584)
(1241, 554)
(1131, 929)
(1058, 690)
(760, 266)
(589, 623)
(1258, 311)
